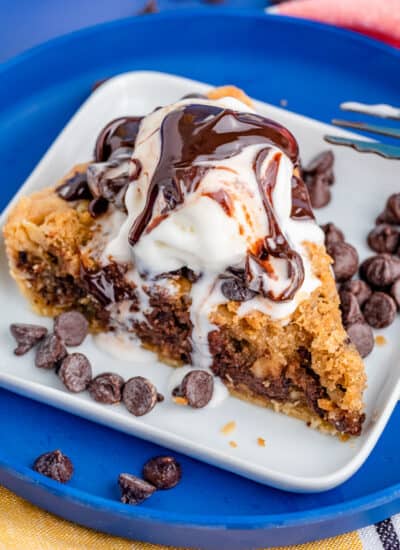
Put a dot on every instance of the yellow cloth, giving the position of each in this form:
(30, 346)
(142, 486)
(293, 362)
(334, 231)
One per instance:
(26, 527)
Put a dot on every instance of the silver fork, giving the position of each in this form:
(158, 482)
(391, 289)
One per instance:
(382, 111)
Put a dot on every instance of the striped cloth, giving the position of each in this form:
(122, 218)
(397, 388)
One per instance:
(26, 527)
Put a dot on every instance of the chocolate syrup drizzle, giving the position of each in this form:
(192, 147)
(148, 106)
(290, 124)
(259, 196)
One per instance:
(196, 134)
(120, 132)
(275, 244)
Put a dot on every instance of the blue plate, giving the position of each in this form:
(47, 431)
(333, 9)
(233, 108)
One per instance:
(314, 68)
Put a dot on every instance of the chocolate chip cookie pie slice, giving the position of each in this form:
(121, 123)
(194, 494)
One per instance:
(192, 231)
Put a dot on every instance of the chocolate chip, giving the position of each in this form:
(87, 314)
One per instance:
(75, 372)
(360, 289)
(198, 387)
(393, 206)
(391, 213)
(50, 352)
(72, 327)
(321, 163)
(351, 312)
(26, 336)
(332, 234)
(22, 258)
(164, 472)
(133, 489)
(379, 310)
(75, 188)
(98, 206)
(318, 189)
(384, 238)
(160, 398)
(106, 388)
(362, 337)
(381, 271)
(139, 395)
(345, 260)
(55, 465)
(395, 292)
(236, 290)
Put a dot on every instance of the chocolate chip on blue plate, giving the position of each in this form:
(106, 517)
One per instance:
(55, 465)
(134, 490)
(164, 472)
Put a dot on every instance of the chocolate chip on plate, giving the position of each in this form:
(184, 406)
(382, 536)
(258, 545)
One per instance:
(72, 327)
(236, 290)
(362, 337)
(133, 489)
(332, 234)
(345, 260)
(391, 213)
(360, 289)
(197, 387)
(55, 465)
(318, 189)
(379, 310)
(384, 238)
(351, 312)
(107, 388)
(26, 336)
(381, 270)
(139, 395)
(164, 472)
(395, 292)
(75, 372)
(322, 163)
(50, 352)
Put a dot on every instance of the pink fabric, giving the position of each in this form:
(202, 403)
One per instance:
(377, 18)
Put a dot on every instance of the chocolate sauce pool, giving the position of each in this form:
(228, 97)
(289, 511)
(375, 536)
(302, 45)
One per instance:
(196, 134)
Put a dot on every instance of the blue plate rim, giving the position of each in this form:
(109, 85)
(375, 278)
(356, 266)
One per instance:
(193, 12)
(253, 522)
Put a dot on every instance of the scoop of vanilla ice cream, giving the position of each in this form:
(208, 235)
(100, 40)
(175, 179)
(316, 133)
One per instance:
(218, 222)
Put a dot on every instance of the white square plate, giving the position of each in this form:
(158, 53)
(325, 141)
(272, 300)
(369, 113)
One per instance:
(295, 457)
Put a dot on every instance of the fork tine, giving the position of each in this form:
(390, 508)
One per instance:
(373, 128)
(382, 149)
(381, 110)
